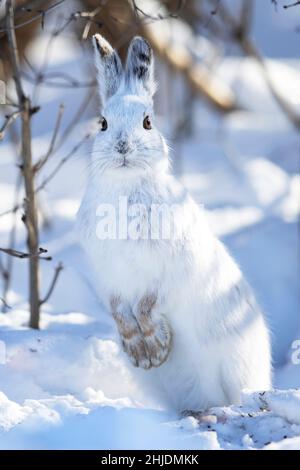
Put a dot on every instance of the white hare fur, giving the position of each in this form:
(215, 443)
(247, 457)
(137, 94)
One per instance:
(210, 337)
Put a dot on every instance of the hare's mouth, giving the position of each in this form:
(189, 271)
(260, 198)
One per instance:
(123, 163)
(126, 163)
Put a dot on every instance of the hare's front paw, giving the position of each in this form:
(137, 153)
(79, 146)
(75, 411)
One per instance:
(131, 336)
(155, 329)
(158, 339)
(135, 347)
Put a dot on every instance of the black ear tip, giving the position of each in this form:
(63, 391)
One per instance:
(142, 49)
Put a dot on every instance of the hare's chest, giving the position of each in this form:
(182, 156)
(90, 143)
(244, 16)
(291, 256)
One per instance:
(126, 266)
(133, 217)
(130, 240)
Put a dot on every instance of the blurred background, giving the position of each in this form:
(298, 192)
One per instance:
(228, 102)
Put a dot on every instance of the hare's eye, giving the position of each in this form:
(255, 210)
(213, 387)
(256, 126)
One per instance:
(147, 123)
(103, 123)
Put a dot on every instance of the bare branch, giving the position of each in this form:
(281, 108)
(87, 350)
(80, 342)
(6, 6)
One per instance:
(64, 160)
(79, 113)
(138, 10)
(274, 2)
(214, 11)
(239, 34)
(14, 56)
(23, 255)
(61, 163)
(291, 5)
(40, 14)
(46, 157)
(57, 272)
(31, 216)
(180, 58)
(90, 15)
(5, 304)
(11, 210)
(66, 80)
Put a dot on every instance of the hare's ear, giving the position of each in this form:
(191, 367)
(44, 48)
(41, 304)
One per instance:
(139, 73)
(109, 67)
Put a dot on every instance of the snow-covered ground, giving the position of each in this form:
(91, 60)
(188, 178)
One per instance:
(68, 386)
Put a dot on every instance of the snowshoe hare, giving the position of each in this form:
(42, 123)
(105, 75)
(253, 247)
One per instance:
(182, 308)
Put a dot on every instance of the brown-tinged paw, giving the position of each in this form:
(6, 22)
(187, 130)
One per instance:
(131, 336)
(136, 350)
(155, 329)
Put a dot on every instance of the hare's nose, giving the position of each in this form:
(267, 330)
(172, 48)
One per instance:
(122, 147)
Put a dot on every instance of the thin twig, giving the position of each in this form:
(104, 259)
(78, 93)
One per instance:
(139, 11)
(90, 15)
(5, 304)
(43, 160)
(14, 56)
(11, 210)
(40, 14)
(61, 163)
(23, 255)
(214, 11)
(9, 119)
(291, 5)
(69, 82)
(51, 175)
(79, 113)
(239, 34)
(57, 272)
(199, 77)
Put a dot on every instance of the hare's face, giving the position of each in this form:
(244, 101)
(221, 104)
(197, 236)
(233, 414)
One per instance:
(128, 142)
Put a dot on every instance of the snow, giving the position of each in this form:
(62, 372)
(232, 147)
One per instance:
(284, 404)
(69, 386)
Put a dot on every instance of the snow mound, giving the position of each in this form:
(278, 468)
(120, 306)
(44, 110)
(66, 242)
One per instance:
(69, 387)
